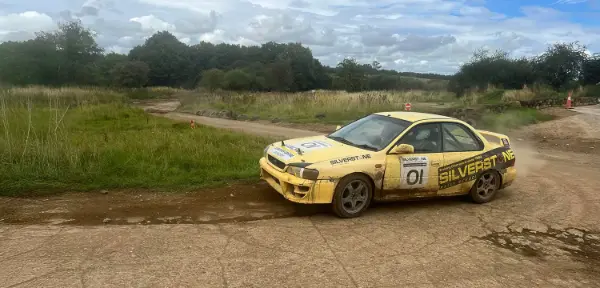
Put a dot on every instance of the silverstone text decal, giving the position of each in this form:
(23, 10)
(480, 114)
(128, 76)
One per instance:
(415, 172)
(468, 169)
(349, 159)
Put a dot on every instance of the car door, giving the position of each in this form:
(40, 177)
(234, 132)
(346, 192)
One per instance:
(460, 146)
(415, 175)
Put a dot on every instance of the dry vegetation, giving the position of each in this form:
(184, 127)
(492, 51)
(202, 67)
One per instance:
(326, 106)
(79, 139)
(338, 107)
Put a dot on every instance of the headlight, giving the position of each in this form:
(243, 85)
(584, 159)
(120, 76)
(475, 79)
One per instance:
(304, 173)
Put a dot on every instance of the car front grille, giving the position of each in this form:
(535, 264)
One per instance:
(276, 162)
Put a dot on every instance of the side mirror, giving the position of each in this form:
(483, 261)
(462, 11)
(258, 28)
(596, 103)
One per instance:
(403, 149)
(338, 127)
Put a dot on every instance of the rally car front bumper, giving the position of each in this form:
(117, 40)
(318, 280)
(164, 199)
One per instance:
(296, 189)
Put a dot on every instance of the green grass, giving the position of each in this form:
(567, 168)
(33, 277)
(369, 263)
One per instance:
(335, 107)
(511, 119)
(57, 146)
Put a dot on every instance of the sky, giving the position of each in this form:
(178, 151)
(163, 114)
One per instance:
(434, 36)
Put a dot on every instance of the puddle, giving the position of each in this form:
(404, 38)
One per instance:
(579, 244)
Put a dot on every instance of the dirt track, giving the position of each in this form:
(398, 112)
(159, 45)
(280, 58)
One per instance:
(544, 231)
(166, 109)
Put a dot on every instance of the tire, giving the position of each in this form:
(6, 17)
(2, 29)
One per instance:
(352, 196)
(485, 187)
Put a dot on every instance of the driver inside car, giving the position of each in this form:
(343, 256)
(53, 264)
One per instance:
(424, 139)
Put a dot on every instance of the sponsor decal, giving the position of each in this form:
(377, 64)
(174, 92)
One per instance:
(468, 169)
(505, 142)
(281, 154)
(415, 172)
(349, 159)
(309, 145)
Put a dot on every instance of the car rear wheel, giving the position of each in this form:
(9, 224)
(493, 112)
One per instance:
(485, 188)
(352, 196)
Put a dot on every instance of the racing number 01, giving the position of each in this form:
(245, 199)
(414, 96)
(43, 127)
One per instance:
(414, 172)
(418, 176)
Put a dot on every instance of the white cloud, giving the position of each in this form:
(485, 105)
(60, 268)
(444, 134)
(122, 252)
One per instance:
(417, 35)
(152, 23)
(28, 22)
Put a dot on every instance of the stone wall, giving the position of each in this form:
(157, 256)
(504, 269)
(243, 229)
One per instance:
(557, 102)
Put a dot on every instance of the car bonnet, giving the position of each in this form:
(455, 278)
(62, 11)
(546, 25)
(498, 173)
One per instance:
(313, 150)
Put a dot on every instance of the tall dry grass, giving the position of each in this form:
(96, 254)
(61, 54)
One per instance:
(78, 139)
(332, 106)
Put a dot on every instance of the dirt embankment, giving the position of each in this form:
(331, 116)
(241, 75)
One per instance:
(576, 130)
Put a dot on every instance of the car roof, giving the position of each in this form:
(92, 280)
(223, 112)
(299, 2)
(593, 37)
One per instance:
(413, 116)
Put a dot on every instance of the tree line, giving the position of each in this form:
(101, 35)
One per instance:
(71, 56)
(562, 67)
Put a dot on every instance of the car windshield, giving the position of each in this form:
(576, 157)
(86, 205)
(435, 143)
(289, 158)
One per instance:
(373, 132)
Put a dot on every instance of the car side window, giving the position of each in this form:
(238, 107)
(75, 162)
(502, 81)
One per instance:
(457, 138)
(426, 138)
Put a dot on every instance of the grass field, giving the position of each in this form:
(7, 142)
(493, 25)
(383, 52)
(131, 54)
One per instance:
(333, 107)
(52, 140)
(511, 119)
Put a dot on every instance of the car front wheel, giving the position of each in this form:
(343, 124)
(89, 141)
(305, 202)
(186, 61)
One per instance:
(352, 196)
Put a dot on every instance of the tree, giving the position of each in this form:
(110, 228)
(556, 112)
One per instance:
(375, 65)
(561, 64)
(280, 76)
(75, 53)
(29, 62)
(351, 75)
(236, 80)
(167, 57)
(496, 69)
(106, 66)
(212, 79)
(591, 70)
(130, 74)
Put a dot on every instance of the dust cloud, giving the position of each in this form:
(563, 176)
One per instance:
(528, 159)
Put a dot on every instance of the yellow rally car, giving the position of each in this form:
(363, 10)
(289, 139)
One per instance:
(390, 156)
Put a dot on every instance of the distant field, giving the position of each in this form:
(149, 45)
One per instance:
(337, 107)
(333, 107)
(56, 139)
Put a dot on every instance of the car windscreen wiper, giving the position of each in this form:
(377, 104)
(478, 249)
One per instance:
(341, 139)
(365, 146)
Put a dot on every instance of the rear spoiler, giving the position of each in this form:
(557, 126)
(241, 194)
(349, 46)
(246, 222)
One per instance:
(495, 138)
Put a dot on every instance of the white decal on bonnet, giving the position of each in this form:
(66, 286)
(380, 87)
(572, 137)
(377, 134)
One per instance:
(280, 153)
(312, 145)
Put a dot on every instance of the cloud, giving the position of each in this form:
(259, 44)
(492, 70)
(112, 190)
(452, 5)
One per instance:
(22, 26)
(570, 1)
(153, 24)
(299, 4)
(417, 35)
(197, 24)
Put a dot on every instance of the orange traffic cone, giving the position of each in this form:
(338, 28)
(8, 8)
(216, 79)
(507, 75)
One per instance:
(569, 102)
